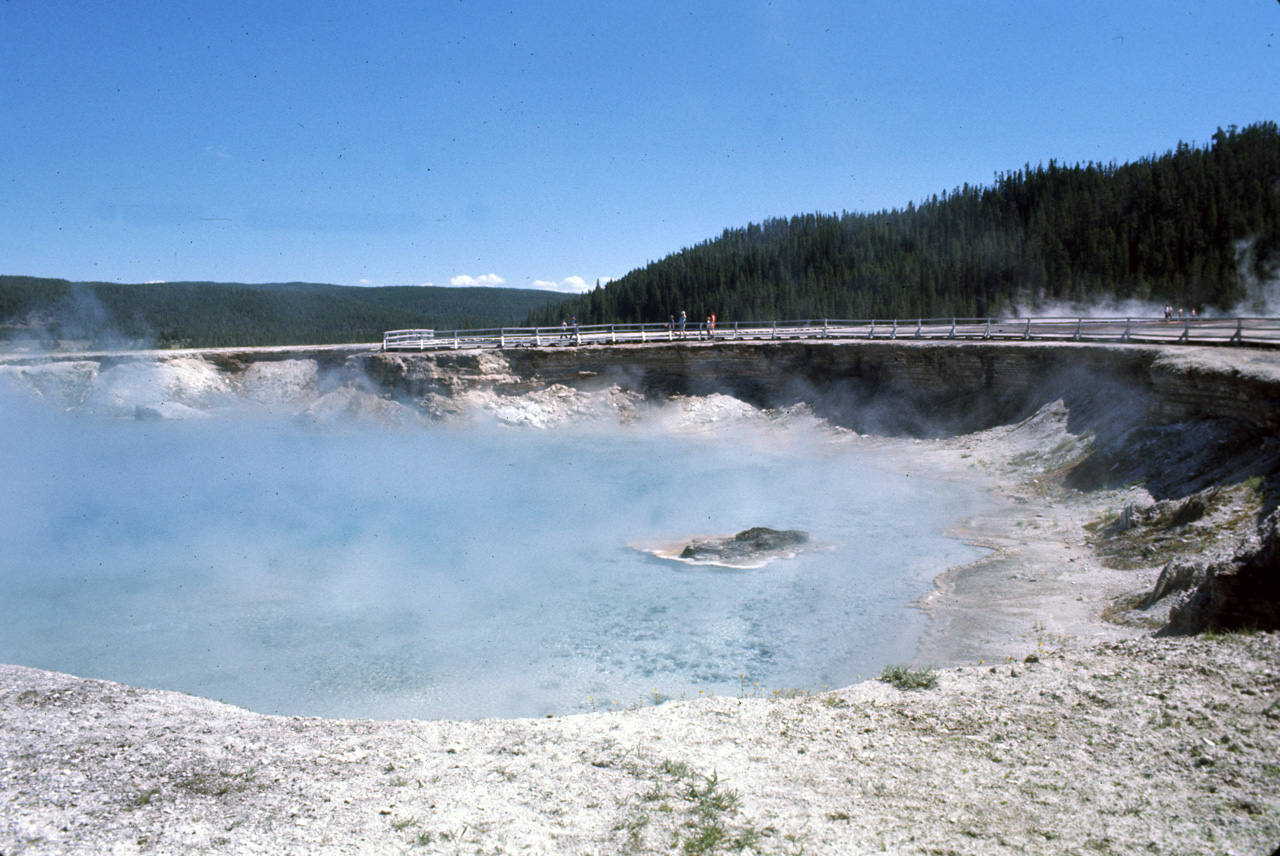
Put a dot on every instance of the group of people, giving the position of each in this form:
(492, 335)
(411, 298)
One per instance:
(569, 328)
(1169, 310)
(678, 327)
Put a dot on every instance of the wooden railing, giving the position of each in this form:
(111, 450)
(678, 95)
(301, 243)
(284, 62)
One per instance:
(1196, 331)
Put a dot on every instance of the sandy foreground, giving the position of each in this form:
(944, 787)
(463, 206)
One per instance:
(1050, 730)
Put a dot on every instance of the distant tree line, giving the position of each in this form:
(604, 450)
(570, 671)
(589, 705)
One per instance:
(207, 314)
(1189, 228)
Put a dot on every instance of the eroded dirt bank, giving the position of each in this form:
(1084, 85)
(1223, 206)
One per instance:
(879, 387)
(1059, 724)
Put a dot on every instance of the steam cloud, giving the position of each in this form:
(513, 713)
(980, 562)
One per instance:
(347, 568)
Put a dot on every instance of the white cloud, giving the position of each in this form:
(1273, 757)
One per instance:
(485, 279)
(569, 285)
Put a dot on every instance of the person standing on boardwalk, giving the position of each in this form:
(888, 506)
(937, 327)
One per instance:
(683, 320)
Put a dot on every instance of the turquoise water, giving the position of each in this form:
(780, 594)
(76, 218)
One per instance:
(435, 572)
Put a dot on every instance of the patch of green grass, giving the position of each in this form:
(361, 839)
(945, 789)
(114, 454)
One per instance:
(1102, 521)
(634, 825)
(675, 769)
(216, 784)
(684, 811)
(710, 805)
(709, 799)
(1023, 459)
(143, 798)
(1218, 634)
(907, 678)
(1065, 447)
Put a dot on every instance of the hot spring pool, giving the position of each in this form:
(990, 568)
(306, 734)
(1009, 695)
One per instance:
(437, 572)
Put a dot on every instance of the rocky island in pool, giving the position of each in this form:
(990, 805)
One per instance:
(746, 550)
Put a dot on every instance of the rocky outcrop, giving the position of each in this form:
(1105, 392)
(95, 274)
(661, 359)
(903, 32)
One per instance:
(1209, 383)
(747, 547)
(914, 388)
(1239, 593)
(895, 387)
(891, 387)
(1177, 419)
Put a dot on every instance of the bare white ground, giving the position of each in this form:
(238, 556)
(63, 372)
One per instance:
(1135, 746)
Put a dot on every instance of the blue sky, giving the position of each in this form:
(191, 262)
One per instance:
(560, 143)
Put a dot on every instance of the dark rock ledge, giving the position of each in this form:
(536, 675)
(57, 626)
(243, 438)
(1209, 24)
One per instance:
(749, 546)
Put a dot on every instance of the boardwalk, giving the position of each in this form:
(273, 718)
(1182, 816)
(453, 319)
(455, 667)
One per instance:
(1263, 332)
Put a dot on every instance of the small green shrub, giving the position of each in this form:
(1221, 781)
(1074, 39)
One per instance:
(906, 678)
(143, 798)
(1217, 634)
(675, 769)
(684, 811)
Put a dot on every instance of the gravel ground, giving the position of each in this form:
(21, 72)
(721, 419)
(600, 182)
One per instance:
(1132, 746)
(1049, 730)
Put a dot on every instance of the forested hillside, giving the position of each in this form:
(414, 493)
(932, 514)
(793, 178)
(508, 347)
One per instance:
(1193, 227)
(206, 314)
(1190, 228)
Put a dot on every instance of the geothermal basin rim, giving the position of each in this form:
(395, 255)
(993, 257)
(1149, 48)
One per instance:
(1058, 742)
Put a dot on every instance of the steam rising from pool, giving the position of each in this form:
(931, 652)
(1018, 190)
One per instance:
(453, 572)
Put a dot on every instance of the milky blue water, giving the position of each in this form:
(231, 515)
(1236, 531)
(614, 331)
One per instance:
(434, 572)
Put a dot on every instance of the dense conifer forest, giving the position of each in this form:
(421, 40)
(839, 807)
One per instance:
(1190, 228)
(206, 314)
